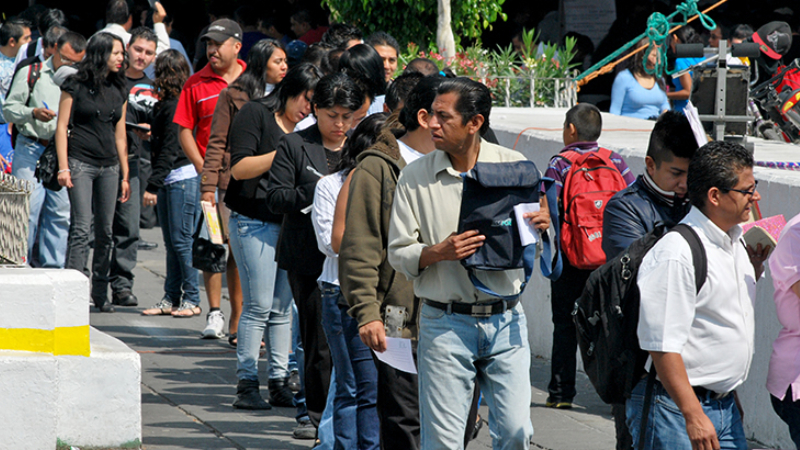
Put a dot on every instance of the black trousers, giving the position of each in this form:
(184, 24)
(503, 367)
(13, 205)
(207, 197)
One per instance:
(564, 292)
(317, 377)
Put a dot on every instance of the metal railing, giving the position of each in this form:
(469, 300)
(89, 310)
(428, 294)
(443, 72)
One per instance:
(531, 92)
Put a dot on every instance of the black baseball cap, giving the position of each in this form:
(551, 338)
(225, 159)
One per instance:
(222, 29)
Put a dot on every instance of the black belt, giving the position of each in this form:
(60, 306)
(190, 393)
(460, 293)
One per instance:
(43, 142)
(480, 310)
(703, 392)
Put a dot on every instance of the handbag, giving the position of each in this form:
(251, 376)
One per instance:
(491, 190)
(206, 255)
(47, 165)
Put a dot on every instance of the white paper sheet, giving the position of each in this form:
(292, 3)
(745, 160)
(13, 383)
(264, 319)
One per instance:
(527, 233)
(697, 126)
(398, 354)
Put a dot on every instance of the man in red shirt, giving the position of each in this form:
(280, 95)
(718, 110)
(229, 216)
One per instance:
(193, 117)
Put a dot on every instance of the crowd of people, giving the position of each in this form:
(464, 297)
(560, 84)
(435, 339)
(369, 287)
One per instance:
(336, 177)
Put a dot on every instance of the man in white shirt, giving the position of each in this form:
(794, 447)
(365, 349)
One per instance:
(701, 342)
(119, 21)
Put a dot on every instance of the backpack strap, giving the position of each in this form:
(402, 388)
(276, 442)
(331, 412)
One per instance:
(549, 270)
(31, 51)
(34, 73)
(698, 253)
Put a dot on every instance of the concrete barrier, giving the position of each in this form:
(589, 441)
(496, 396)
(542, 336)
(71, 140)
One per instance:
(63, 382)
(629, 138)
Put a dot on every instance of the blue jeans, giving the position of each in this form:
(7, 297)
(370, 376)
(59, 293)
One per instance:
(178, 209)
(266, 297)
(666, 427)
(454, 350)
(354, 412)
(49, 210)
(326, 430)
(93, 197)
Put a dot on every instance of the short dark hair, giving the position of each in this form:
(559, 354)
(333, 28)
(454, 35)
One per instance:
(672, 137)
(143, 33)
(315, 53)
(422, 65)
(742, 31)
(383, 38)
(52, 35)
(330, 61)
(75, 40)
(473, 98)
(50, 18)
(117, 11)
(716, 164)
(13, 29)
(587, 120)
(303, 16)
(337, 89)
(32, 15)
(339, 34)
(401, 87)
(421, 97)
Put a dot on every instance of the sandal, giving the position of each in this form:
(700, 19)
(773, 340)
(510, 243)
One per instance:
(187, 310)
(162, 308)
(232, 339)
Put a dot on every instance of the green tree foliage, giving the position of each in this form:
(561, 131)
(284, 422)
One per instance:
(415, 20)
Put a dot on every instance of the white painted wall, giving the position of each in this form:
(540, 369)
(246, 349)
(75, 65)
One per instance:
(629, 137)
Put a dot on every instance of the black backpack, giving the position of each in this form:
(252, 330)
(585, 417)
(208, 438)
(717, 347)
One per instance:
(607, 314)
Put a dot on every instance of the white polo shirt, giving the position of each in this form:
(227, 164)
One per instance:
(712, 330)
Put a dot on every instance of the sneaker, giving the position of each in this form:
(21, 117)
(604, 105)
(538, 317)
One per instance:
(215, 323)
(294, 381)
(558, 404)
(305, 430)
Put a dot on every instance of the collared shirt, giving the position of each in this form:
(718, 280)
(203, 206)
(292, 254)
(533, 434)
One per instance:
(784, 265)
(22, 54)
(409, 154)
(18, 110)
(712, 330)
(325, 195)
(6, 75)
(197, 102)
(425, 212)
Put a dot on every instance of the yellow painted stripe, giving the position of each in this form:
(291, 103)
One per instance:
(60, 341)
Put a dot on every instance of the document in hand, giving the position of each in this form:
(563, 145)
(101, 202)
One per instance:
(527, 233)
(398, 354)
(212, 222)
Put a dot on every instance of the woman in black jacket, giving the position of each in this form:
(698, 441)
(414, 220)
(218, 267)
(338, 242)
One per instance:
(301, 160)
(254, 231)
(174, 188)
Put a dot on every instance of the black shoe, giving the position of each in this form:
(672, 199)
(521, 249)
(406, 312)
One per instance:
(104, 306)
(305, 430)
(248, 397)
(124, 298)
(146, 245)
(279, 392)
(294, 381)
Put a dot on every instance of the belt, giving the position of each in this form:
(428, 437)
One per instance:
(44, 142)
(703, 392)
(480, 310)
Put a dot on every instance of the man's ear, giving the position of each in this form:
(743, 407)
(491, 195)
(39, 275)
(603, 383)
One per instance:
(650, 165)
(713, 196)
(422, 118)
(475, 123)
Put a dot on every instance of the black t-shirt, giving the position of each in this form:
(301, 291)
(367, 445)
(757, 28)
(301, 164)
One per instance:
(141, 100)
(95, 113)
(333, 159)
(254, 132)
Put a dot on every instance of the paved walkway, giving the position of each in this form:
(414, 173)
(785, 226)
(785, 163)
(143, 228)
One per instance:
(188, 385)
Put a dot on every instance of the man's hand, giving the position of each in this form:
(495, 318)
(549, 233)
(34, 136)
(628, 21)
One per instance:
(539, 219)
(143, 135)
(757, 258)
(701, 432)
(456, 247)
(43, 114)
(373, 335)
(209, 197)
(149, 199)
(160, 13)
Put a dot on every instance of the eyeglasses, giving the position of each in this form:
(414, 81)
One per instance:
(66, 61)
(748, 193)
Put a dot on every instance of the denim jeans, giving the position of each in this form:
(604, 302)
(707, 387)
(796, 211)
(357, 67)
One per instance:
(178, 208)
(454, 350)
(93, 196)
(789, 411)
(326, 430)
(299, 360)
(49, 210)
(666, 427)
(354, 409)
(266, 297)
(126, 237)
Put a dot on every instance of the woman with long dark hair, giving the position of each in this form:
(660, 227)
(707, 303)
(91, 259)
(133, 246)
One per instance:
(266, 67)
(173, 187)
(254, 230)
(356, 380)
(301, 160)
(93, 156)
(635, 92)
(364, 64)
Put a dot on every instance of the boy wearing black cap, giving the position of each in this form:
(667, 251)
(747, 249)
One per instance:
(193, 116)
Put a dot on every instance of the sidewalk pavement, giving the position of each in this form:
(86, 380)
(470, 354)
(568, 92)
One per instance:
(188, 384)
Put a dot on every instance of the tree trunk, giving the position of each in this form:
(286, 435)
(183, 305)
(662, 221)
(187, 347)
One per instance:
(444, 31)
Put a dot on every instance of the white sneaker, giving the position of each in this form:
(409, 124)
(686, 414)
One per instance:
(215, 322)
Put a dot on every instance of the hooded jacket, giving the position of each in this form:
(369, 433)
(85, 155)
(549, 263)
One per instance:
(368, 282)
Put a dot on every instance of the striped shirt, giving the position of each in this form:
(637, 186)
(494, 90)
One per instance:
(559, 166)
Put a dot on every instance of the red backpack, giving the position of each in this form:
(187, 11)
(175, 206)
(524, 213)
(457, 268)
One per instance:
(591, 181)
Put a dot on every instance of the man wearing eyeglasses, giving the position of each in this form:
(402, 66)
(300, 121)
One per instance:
(701, 343)
(32, 106)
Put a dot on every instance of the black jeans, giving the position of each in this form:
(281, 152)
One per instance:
(317, 376)
(126, 239)
(789, 411)
(564, 292)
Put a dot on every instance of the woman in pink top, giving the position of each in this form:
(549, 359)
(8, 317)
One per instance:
(783, 380)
